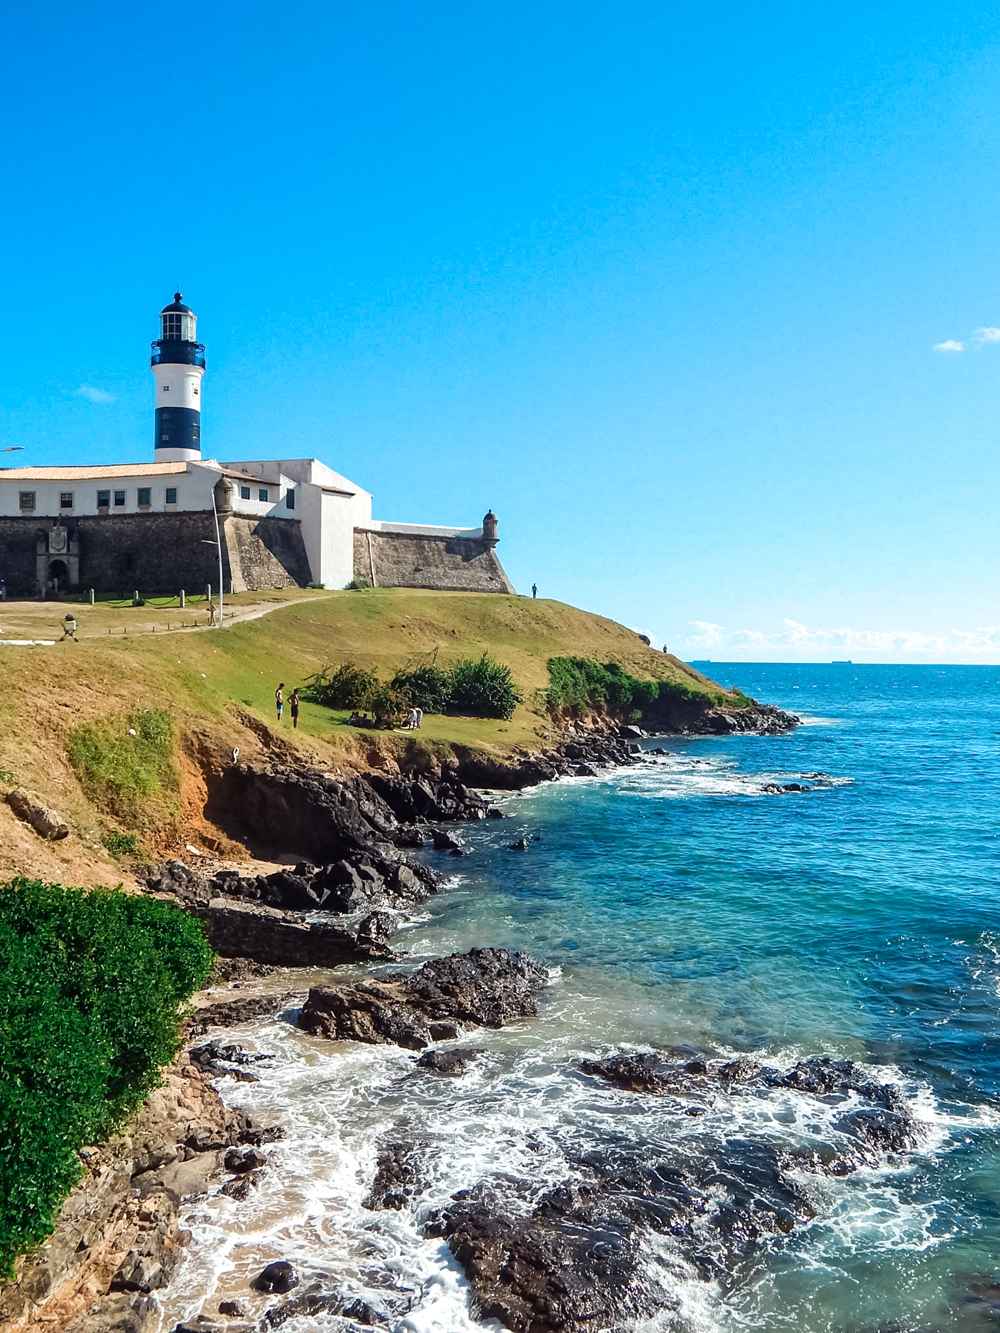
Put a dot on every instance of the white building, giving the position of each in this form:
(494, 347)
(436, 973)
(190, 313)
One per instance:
(285, 520)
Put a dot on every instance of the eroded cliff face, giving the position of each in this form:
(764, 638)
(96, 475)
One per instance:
(118, 1237)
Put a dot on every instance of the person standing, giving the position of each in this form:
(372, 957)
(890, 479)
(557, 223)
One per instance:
(534, 591)
(418, 717)
(293, 706)
(279, 700)
(69, 627)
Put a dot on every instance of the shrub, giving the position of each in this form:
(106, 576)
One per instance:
(90, 984)
(121, 845)
(579, 685)
(483, 688)
(388, 706)
(427, 687)
(345, 686)
(357, 585)
(125, 764)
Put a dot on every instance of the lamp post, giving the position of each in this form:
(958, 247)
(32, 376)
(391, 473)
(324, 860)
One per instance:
(218, 546)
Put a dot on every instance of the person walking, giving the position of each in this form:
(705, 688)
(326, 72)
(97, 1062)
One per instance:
(293, 706)
(69, 627)
(534, 591)
(279, 700)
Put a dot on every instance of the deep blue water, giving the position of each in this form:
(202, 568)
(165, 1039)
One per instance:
(681, 903)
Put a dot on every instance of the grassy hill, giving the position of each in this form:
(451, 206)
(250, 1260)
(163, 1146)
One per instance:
(207, 680)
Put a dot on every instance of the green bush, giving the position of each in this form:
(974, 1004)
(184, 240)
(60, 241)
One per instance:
(578, 685)
(426, 687)
(126, 764)
(345, 686)
(121, 845)
(483, 688)
(90, 986)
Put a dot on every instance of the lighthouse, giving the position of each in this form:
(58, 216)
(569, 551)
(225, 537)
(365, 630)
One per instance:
(178, 362)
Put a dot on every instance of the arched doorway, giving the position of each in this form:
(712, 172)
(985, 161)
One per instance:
(58, 577)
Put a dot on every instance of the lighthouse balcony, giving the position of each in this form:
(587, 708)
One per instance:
(174, 352)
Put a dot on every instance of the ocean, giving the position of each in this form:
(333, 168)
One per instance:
(678, 903)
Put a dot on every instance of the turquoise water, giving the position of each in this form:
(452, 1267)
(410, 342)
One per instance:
(679, 903)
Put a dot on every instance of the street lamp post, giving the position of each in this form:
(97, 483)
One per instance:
(218, 545)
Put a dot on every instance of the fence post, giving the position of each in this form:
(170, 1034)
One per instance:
(183, 599)
(90, 593)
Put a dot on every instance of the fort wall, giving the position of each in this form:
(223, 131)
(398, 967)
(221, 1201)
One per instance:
(387, 559)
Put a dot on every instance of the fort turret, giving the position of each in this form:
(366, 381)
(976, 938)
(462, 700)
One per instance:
(178, 362)
(490, 532)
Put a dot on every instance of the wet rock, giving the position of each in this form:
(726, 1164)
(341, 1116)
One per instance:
(398, 1177)
(279, 1276)
(523, 843)
(239, 1160)
(315, 1301)
(878, 1133)
(242, 929)
(485, 988)
(446, 842)
(450, 1062)
(238, 1010)
(218, 1058)
(241, 1186)
(424, 797)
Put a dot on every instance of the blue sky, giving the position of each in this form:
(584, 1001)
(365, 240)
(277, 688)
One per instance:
(662, 286)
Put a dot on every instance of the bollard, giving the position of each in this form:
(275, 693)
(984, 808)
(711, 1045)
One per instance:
(90, 593)
(183, 599)
(208, 592)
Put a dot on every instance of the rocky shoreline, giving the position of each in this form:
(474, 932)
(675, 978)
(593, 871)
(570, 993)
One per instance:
(360, 874)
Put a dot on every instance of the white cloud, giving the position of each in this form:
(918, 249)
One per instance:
(951, 345)
(988, 335)
(795, 641)
(706, 634)
(94, 395)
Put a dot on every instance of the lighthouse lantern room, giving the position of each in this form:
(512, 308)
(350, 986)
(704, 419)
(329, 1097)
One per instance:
(178, 362)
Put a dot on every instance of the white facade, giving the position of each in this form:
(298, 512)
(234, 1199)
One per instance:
(327, 506)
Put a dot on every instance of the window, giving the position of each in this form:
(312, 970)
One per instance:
(244, 492)
(172, 326)
(171, 496)
(262, 493)
(27, 502)
(290, 498)
(65, 499)
(166, 388)
(144, 497)
(119, 499)
(103, 499)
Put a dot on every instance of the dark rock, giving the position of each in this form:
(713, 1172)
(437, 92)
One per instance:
(234, 1309)
(315, 1301)
(446, 842)
(279, 1276)
(398, 1177)
(451, 1062)
(521, 844)
(485, 987)
(243, 1009)
(239, 1160)
(240, 1187)
(218, 1058)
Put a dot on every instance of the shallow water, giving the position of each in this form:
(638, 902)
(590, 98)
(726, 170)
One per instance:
(677, 903)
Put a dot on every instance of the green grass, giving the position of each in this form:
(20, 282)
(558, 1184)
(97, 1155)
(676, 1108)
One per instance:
(90, 989)
(125, 764)
(202, 679)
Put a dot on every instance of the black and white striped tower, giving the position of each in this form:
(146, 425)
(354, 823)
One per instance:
(178, 363)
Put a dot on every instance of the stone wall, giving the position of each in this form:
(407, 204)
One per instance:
(153, 553)
(265, 553)
(409, 560)
(18, 537)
